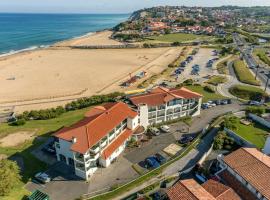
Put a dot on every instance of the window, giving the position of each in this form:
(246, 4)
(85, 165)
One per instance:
(111, 133)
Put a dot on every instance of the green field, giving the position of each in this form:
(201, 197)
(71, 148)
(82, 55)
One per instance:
(216, 80)
(262, 56)
(254, 133)
(43, 129)
(177, 37)
(247, 92)
(222, 67)
(243, 73)
(207, 96)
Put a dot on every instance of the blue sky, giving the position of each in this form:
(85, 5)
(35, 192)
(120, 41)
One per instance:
(110, 6)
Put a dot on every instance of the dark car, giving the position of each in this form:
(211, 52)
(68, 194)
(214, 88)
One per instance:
(186, 140)
(151, 162)
(160, 158)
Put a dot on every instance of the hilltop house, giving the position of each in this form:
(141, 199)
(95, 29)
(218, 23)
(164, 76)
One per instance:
(247, 171)
(162, 104)
(96, 140)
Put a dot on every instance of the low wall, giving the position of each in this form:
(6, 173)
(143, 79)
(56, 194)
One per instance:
(205, 155)
(259, 120)
(238, 139)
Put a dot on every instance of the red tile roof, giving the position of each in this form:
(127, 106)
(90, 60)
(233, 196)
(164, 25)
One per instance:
(116, 143)
(161, 95)
(188, 190)
(98, 122)
(253, 166)
(238, 187)
(220, 191)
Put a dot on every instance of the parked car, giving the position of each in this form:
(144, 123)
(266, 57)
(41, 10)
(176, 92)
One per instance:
(224, 102)
(151, 162)
(161, 159)
(154, 131)
(165, 128)
(254, 103)
(205, 106)
(43, 177)
(186, 139)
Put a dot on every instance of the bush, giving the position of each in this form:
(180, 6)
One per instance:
(247, 92)
(9, 176)
(188, 82)
(19, 122)
(230, 122)
(208, 88)
(257, 110)
(223, 141)
(74, 105)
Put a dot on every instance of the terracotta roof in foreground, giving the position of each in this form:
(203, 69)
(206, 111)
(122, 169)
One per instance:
(253, 166)
(220, 191)
(161, 95)
(98, 122)
(188, 190)
(116, 143)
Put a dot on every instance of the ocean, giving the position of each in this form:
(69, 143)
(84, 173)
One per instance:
(20, 32)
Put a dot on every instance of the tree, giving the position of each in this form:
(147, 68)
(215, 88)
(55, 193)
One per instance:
(9, 176)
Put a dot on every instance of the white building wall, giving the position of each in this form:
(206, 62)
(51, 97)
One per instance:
(143, 109)
(133, 123)
(64, 150)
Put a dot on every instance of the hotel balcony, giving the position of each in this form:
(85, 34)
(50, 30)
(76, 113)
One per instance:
(79, 157)
(80, 167)
(95, 150)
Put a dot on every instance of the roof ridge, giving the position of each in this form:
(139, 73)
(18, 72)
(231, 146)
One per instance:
(245, 149)
(227, 190)
(189, 190)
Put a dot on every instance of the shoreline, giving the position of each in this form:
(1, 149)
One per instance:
(41, 47)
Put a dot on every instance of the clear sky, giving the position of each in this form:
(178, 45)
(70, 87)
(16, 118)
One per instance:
(110, 6)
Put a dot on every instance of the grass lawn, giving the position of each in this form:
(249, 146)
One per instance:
(222, 67)
(215, 80)
(254, 133)
(43, 128)
(243, 73)
(206, 95)
(247, 92)
(261, 53)
(178, 37)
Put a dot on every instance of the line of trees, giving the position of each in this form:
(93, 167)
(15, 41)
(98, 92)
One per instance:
(74, 105)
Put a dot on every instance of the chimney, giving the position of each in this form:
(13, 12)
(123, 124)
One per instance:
(74, 140)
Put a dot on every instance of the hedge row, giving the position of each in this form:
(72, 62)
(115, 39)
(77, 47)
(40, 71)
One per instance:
(74, 105)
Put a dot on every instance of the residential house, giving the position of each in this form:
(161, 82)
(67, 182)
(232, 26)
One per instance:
(247, 171)
(191, 190)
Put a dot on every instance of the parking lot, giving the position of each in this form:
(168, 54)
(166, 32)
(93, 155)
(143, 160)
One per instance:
(66, 186)
(200, 59)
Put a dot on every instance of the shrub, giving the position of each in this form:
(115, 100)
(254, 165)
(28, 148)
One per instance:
(19, 122)
(230, 122)
(188, 82)
(223, 141)
(9, 176)
(258, 110)
(208, 88)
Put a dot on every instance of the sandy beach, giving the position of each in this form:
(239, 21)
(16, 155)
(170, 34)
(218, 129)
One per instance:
(99, 38)
(50, 77)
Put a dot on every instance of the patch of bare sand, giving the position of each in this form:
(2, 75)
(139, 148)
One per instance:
(3, 156)
(99, 38)
(15, 139)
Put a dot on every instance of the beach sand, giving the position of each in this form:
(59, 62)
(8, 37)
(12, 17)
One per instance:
(50, 77)
(99, 38)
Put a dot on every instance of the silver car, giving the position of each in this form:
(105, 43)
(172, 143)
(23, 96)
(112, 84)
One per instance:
(43, 177)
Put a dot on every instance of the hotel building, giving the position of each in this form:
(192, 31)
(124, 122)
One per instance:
(162, 104)
(98, 139)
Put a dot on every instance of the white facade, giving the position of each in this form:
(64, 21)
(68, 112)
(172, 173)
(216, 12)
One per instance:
(174, 109)
(86, 164)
